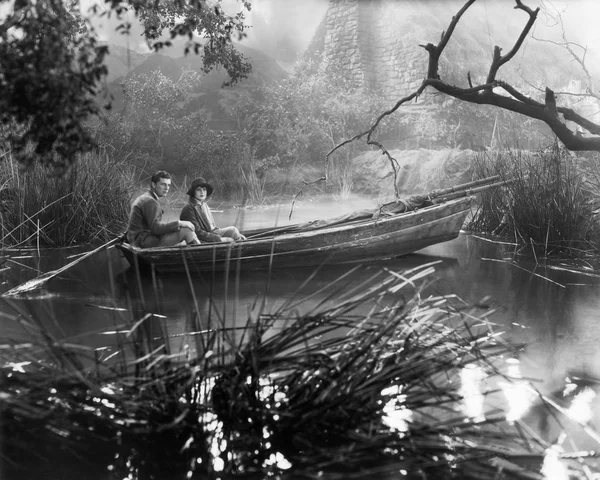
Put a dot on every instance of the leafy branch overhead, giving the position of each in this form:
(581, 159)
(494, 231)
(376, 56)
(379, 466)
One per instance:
(576, 132)
(53, 66)
(188, 18)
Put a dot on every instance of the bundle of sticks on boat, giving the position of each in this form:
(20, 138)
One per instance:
(408, 204)
(402, 205)
(439, 196)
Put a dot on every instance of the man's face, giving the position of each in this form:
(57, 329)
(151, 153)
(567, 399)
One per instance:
(161, 188)
(200, 193)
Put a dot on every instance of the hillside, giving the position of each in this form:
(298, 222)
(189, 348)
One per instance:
(122, 64)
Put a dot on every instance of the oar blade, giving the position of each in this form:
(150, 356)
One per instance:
(37, 282)
(30, 285)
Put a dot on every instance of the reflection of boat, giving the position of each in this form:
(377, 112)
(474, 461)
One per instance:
(352, 238)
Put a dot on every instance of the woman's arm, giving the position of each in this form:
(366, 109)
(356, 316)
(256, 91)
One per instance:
(189, 213)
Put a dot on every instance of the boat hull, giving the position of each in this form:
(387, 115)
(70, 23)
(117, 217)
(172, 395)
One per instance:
(392, 236)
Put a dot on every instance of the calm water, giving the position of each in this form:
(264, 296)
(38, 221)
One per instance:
(557, 313)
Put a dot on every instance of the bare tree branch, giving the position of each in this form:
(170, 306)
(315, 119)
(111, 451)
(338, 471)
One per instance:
(500, 60)
(435, 51)
(393, 162)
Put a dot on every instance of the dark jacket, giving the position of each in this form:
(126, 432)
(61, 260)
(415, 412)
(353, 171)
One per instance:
(202, 218)
(146, 218)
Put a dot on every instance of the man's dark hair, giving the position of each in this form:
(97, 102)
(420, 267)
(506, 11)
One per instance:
(158, 175)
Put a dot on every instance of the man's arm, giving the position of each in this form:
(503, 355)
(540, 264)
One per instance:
(153, 213)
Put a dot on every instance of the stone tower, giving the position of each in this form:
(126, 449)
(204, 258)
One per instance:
(376, 41)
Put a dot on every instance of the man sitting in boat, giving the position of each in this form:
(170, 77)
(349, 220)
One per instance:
(198, 213)
(146, 228)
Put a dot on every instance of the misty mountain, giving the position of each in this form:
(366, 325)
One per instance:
(123, 63)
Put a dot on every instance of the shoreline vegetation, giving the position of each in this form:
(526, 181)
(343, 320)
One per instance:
(89, 203)
(379, 379)
(549, 208)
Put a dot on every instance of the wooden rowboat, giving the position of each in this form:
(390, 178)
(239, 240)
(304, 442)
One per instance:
(357, 239)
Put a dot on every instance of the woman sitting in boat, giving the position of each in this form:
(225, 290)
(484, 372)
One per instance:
(198, 212)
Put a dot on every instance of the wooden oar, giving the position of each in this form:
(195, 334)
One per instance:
(269, 233)
(39, 281)
(472, 191)
(464, 186)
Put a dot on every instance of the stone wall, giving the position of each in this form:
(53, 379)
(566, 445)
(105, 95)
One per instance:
(342, 39)
(374, 41)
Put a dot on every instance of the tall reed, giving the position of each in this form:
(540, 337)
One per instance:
(367, 384)
(90, 202)
(549, 202)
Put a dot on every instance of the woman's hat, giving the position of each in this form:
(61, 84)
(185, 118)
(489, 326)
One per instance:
(200, 182)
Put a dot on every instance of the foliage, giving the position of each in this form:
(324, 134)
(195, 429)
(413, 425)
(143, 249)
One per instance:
(301, 118)
(154, 125)
(315, 109)
(53, 64)
(277, 128)
(88, 203)
(379, 388)
(51, 67)
(550, 201)
(200, 17)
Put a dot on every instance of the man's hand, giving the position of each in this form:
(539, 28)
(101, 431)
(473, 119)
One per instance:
(186, 224)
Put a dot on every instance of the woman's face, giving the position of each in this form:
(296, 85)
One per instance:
(200, 193)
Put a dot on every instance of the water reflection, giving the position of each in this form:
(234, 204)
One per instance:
(471, 390)
(555, 312)
(519, 393)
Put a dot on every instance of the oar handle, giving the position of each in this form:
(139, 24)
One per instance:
(464, 186)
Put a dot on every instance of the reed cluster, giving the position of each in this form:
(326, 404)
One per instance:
(370, 383)
(550, 202)
(88, 203)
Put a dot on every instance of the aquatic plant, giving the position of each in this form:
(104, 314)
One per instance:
(90, 202)
(377, 380)
(549, 203)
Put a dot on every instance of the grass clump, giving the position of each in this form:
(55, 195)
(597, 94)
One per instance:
(368, 383)
(549, 202)
(88, 203)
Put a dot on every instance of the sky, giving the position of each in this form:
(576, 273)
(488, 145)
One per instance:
(271, 22)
